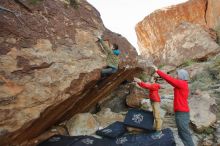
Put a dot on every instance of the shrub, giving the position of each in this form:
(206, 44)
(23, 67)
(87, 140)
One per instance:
(201, 81)
(214, 69)
(218, 34)
(188, 63)
(74, 3)
(161, 66)
(144, 77)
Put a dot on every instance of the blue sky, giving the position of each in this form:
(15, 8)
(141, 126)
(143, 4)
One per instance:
(121, 16)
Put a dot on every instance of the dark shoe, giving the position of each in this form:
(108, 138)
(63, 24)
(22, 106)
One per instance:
(157, 135)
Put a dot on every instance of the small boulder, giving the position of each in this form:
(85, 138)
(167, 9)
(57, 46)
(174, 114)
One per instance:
(82, 124)
(106, 117)
(201, 115)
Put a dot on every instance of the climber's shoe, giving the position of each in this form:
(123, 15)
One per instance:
(157, 135)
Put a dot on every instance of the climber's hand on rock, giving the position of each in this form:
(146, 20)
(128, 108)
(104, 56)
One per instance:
(98, 36)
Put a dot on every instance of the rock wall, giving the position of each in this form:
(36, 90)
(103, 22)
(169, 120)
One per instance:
(42, 55)
(213, 14)
(155, 30)
(187, 42)
(48, 54)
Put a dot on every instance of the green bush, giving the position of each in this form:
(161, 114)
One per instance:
(144, 77)
(74, 3)
(198, 85)
(208, 130)
(188, 63)
(218, 34)
(214, 69)
(217, 61)
(161, 66)
(203, 77)
(201, 81)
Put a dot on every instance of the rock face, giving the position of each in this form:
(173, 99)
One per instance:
(106, 117)
(203, 106)
(187, 40)
(48, 54)
(116, 100)
(44, 56)
(88, 124)
(201, 115)
(134, 98)
(154, 31)
(82, 124)
(213, 14)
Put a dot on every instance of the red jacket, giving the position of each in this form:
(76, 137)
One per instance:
(181, 92)
(153, 88)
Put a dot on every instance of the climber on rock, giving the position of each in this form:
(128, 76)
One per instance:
(155, 102)
(112, 58)
(181, 107)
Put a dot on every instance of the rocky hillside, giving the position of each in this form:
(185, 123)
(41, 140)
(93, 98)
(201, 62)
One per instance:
(204, 104)
(170, 34)
(204, 100)
(49, 60)
(187, 36)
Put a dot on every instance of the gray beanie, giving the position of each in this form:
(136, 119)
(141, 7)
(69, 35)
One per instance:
(183, 74)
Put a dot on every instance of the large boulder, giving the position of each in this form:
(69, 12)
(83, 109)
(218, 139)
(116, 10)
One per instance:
(48, 55)
(201, 114)
(153, 31)
(136, 95)
(82, 124)
(42, 57)
(106, 117)
(187, 40)
(213, 14)
(88, 124)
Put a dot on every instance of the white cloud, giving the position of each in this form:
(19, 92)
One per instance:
(121, 16)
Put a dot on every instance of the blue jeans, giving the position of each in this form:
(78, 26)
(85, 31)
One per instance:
(108, 71)
(182, 122)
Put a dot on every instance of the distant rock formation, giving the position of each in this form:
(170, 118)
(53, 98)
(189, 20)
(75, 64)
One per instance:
(155, 31)
(187, 42)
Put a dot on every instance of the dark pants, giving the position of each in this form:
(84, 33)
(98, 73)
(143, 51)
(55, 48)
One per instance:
(108, 71)
(182, 122)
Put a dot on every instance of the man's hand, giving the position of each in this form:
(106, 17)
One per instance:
(155, 68)
(137, 80)
(98, 36)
